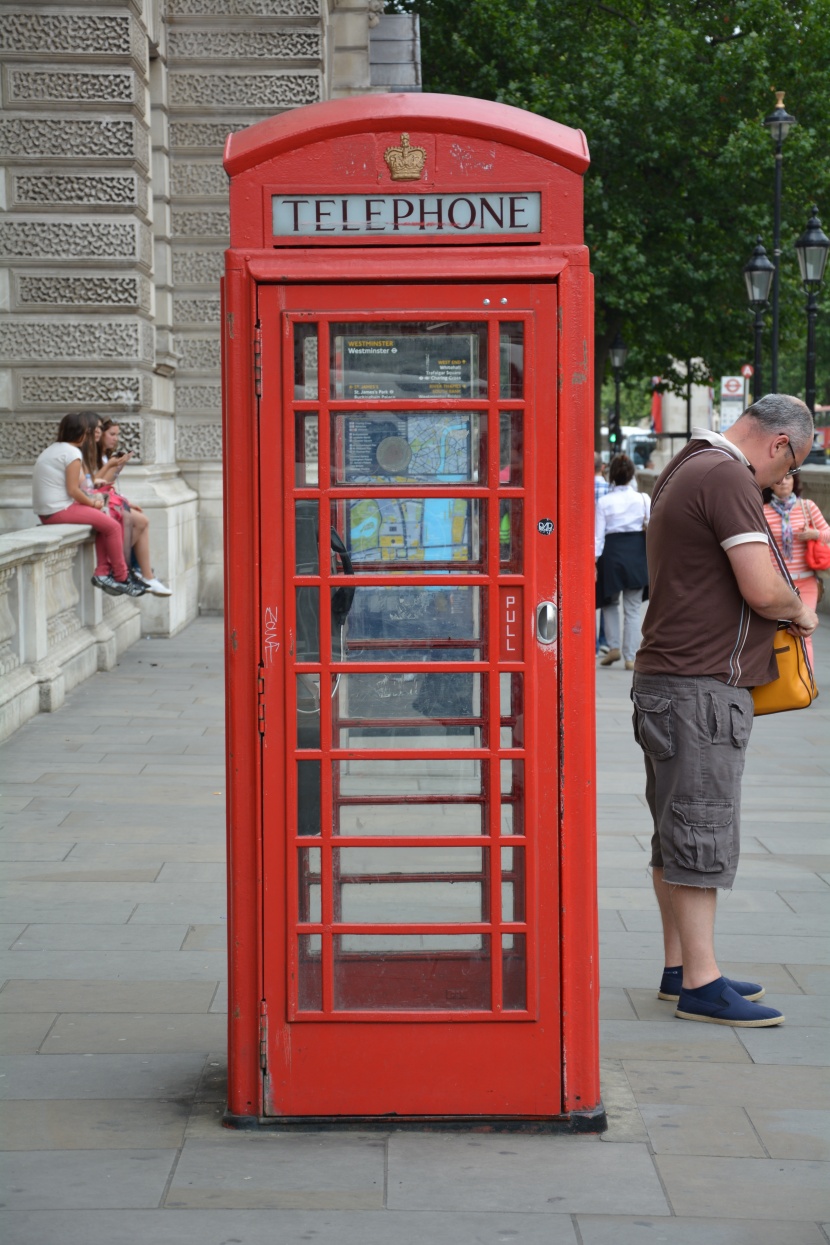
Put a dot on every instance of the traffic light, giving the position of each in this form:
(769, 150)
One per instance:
(614, 432)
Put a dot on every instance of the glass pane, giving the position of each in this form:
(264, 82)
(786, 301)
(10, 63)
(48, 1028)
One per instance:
(427, 885)
(308, 711)
(427, 710)
(308, 797)
(305, 362)
(513, 884)
(514, 972)
(309, 973)
(405, 972)
(511, 456)
(510, 535)
(306, 432)
(411, 533)
(416, 624)
(403, 778)
(408, 447)
(427, 359)
(308, 862)
(306, 522)
(308, 624)
(405, 819)
(511, 710)
(511, 361)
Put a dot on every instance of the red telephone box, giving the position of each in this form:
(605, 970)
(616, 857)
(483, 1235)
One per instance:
(410, 617)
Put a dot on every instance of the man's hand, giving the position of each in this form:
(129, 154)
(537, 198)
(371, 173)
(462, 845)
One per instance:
(804, 624)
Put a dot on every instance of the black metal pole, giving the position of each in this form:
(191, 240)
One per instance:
(776, 255)
(618, 434)
(810, 375)
(688, 401)
(757, 389)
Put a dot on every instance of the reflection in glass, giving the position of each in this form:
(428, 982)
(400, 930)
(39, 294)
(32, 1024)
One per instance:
(409, 777)
(429, 359)
(308, 798)
(308, 711)
(389, 710)
(408, 447)
(511, 456)
(513, 883)
(305, 362)
(309, 974)
(511, 710)
(409, 819)
(308, 862)
(514, 972)
(394, 624)
(407, 533)
(305, 537)
(404, 972)
(308, 624)
(511, 360)
(510, 535)
(306, 434)
(512, 796)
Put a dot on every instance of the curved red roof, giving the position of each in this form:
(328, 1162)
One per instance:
(455, 114)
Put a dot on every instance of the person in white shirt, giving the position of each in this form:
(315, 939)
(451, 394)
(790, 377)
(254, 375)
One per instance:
(63, 492)
(621, 518)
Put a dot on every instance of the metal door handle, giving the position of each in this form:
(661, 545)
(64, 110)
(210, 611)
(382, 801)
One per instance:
(546, 622)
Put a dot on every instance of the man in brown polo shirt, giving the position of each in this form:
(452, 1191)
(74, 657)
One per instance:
(707, 639)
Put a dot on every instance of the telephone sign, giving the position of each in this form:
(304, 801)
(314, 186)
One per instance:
(410, 618)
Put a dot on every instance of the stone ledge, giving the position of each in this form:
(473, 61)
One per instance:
(55, 628)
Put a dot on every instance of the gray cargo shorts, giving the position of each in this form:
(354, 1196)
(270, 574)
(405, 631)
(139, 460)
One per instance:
(693, 733)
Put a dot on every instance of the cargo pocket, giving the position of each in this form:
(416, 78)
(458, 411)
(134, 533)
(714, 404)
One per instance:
(653, 725)
(703, 834)
(741, 725)
(727, 721)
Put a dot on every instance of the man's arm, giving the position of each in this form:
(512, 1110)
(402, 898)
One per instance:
(765, 591)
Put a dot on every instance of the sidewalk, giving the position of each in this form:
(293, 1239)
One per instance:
(113, 1011)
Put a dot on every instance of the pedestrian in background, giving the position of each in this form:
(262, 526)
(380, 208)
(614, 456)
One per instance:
(794, 522)
(622, 569)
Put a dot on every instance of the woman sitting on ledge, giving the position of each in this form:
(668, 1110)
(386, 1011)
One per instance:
(62, 492)
(136, 525)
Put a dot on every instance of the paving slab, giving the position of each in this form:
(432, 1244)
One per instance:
(33, 850)
(305, 1172)
(125, 965)
(785, 1189)
(75, 1179)
(126, 1033)
(791, 1134)
(94, 1124)
(95, 995)
(100, 1076)
(624, 1230)
(101, 937)
(293, 1227)
(798, 1047)
(670, 1039)
(542, 1174)
(710, 1130)
(22, 1033)
(731, 1084)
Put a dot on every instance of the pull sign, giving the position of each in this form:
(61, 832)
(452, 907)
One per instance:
(511, 614)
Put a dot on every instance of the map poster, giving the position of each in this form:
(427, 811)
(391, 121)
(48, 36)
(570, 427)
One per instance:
(428, 446)
(377, 367)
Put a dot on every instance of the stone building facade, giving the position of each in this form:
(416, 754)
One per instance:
(114, 223)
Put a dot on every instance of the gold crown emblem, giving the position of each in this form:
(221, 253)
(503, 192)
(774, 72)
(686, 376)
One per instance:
(405, 163)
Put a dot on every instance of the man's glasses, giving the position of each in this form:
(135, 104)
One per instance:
(793, 471)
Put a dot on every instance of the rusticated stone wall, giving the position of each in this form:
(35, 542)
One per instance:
(115, 115)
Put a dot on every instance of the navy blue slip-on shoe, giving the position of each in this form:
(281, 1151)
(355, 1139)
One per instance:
(718, 1004)
(672, 984)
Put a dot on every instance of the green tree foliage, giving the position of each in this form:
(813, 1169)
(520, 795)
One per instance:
(671, 95)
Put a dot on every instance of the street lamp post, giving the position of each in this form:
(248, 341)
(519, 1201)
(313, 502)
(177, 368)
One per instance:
(812, 248)
(618, 352)
(758, 274)
(779, 123)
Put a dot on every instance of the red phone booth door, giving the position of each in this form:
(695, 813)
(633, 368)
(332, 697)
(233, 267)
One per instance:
(410, 896)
